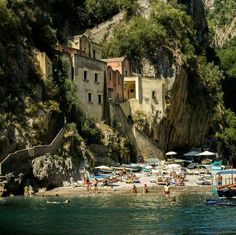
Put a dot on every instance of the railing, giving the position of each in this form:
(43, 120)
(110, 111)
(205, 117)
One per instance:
(19, 160)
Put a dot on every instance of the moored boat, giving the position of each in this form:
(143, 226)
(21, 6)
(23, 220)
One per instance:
(227, 190)
(214, 202)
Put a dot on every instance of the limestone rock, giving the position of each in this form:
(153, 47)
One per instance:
(188, 117)
(52, 172)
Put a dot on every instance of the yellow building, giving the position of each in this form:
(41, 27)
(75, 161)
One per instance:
(88, 46)
(45, 64)
(145, 96)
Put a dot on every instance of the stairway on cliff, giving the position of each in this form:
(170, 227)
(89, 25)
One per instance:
(104, 30)
(144, 145)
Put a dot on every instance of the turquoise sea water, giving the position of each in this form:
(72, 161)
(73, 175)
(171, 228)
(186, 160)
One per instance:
(124, 214)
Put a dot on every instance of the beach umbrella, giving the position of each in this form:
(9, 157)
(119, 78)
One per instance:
(191, 154)
(206, 153)
(171, 153)
(103, 168)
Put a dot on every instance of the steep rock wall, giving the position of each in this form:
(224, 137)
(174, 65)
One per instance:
(188, 117)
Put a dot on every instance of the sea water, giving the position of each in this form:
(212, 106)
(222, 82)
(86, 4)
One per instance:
(116, 214)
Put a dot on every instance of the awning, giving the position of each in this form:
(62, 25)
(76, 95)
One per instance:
(191, 154)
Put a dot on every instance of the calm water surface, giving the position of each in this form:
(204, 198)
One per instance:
(124, 214)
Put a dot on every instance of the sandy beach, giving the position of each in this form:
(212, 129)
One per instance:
(125, 188)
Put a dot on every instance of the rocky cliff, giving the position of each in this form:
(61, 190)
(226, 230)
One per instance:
(221, 17)
(187, 118)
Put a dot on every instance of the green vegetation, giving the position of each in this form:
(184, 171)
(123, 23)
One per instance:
(220, 17)
(228, 136)
(227, 56)
(211, 78)
(168, 27)
(222, 13)
(98, 11)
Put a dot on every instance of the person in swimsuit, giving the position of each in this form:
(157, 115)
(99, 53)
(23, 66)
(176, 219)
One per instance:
(145, 188)
(167, 189)
(219, 180)
(134, 190)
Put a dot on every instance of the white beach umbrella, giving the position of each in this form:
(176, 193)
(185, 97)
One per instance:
(171, 153)
(206, 153)
(103, 168)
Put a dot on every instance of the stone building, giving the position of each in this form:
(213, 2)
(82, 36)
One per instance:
(83, 43)
(145, 96)
(122, 64)
(89, 77)
(117, 69)
(115, 87)
(45, 64)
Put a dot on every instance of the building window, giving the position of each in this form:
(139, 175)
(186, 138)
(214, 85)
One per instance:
(99, 98)
(126, 73)
(94, 54)
(132, 90)
(85, 75)
(90, 97)
(153, 94)
(110, 75)
(96, 77)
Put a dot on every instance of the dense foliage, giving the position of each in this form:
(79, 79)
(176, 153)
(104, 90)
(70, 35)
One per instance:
(227, 55)
(168, 27)
(229, 134)
(221, 16)
(222, 13)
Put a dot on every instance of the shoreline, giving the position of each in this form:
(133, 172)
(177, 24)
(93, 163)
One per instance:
(109, 190)
(121, 187)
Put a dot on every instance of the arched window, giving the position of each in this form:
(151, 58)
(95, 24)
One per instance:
(153, 94)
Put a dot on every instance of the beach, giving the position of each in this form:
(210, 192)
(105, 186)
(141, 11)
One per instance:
(121, 187)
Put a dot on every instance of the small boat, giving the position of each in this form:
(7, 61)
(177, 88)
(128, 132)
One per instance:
(215, 202)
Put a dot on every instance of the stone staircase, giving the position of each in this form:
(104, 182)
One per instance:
(19, 161)
(104, 30)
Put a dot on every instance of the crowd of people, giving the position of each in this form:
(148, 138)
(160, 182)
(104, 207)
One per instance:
(131, 178)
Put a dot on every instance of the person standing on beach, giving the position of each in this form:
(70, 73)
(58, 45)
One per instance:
(87, 182)
(145, 188)
(219, 180)
(95, 183)
(167, 189)
(134, 190)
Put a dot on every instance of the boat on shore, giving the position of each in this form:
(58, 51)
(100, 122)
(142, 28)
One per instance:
(227, 190)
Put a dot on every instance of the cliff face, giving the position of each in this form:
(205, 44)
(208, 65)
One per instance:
(188, 118)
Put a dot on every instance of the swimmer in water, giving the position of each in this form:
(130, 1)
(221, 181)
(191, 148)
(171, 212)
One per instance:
(55, 202)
